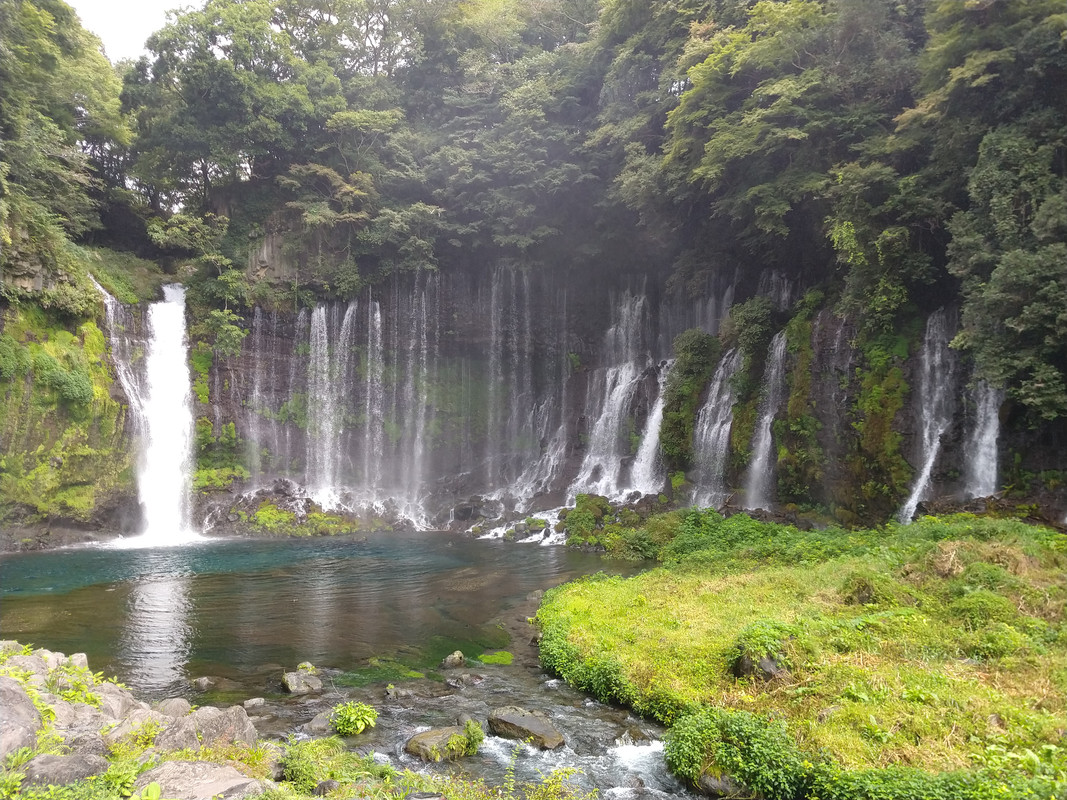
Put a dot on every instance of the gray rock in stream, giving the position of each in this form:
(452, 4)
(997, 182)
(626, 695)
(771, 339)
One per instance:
(175, 707)
(301, 682)
(432, 745)
(20, 721)
(512, 722)
(199, 780)
(49, 770)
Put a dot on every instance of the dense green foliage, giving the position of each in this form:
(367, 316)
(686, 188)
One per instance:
(901, 155)
(922, 660)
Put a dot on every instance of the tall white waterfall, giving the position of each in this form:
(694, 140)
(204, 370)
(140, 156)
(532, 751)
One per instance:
(980, 453)
(760, 476)
(160, 400)
(935, 405)
(711, 439)
(165, 478)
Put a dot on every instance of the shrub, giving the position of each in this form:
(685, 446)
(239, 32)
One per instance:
(351, 718)
(755, 751)
(467, 743)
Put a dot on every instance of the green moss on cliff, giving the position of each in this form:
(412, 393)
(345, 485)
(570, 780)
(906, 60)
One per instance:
(800, 458)
(696, 353)
(61, 433)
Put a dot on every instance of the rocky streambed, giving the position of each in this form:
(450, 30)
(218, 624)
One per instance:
(63, 724)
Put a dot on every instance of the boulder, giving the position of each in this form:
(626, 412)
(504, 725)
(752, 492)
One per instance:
(301, 682)
(762, 668)
(199, 780)
(454, 661)
(79, 660)
(133, 722)
(432, 745)
(175, 707)
(203, 684)
(512, 722)
(116, 702)
(723, 786)
(319, 724)
(89, 743)
(327, 786)
(208, 726)
(19, 721)
(33, 664)
(49, 770)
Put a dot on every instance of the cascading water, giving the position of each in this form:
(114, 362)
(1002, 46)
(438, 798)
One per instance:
(760, 475)
(648, 473)
(608, 440)
(935, 405)
(712, 434)
(161, 402)
(327, 370)
(980, 453)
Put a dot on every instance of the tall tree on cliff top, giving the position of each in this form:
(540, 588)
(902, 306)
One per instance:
(58, 108)
(993, 117)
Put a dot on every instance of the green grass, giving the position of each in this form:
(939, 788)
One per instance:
(938, 646)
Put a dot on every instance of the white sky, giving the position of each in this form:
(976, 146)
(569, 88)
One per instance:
(123, 25)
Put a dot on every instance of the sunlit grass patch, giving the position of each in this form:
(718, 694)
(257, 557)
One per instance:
(936, 646)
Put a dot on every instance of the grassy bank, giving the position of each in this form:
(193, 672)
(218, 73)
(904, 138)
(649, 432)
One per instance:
(928, 659)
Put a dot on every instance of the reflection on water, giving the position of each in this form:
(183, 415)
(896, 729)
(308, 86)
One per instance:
(156, 636)
(158, 617)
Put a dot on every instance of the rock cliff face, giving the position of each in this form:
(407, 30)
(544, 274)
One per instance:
(443, 398)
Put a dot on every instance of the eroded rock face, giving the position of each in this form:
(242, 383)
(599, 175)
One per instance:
(208, 726)
(50, 770)
(19, 720)
(512, 722)
(198, 780)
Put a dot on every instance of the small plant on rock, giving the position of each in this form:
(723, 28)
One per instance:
(352, 718)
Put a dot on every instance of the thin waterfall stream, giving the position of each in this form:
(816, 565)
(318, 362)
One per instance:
(759, 482)
(935, 404)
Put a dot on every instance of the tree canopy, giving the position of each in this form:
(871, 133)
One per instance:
(895, 153)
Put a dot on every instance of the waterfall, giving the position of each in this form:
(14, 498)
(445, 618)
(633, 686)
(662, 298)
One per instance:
(648, 473)
(374, 424)
(712, 435)
(759, 481)
(608, 439)
(328, 369)
(935, 405)
(980, 453)
(160, 400)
